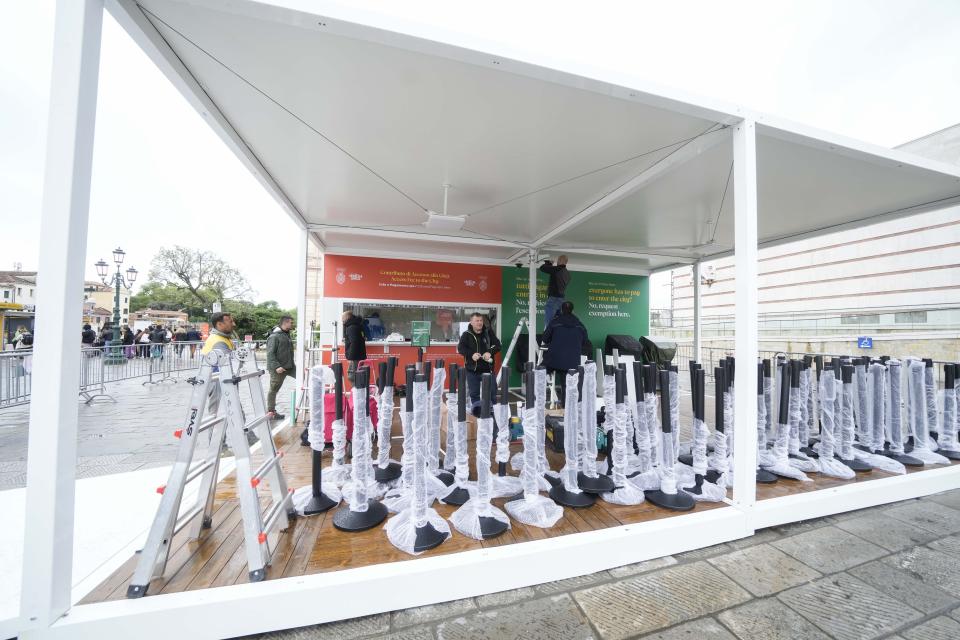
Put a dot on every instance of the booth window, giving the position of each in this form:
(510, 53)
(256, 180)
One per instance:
(910, 317)
(860, 319)
(382, 320)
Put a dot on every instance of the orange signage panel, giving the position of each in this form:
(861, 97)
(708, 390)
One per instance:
(389, 279)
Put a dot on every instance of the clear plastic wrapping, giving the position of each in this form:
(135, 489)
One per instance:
(864, 430)
(435, 394)
(357, 491)
(829, 465)
(668, 480)
(642, 433)
(653, 430)
(450, 450)
(846, 422)
(895, 417)
(540, 386)
(401, 529)
(315, 432)
(571, 433)
(504, 486)
(466, 519)
(768, 411)
(803, 430)
(588, 421)
(798, 459)
(930, 395)
(918, 398)
(719, 460)
(812, 402)
(398, 498)
(875, 386)
(781, 462)
(765, 457)
(463, 455)
(624, 492)
(709, 492)
(385, 429)
(948, 433)
(532, 508)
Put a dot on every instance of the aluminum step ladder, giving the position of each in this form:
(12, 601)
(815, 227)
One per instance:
(216, 388)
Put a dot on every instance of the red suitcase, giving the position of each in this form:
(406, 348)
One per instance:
(330, 413)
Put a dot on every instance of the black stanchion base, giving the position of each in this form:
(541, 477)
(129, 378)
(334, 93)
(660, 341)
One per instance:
(712, 475)
(600, 484)
(458, 497)
(554, 481)
(686, 459)
(445, 477)
(863, 447)
(856, 465)
(318, 504)
(352, 521)
(765, 477)
(908, 445)
(392, 472)
(561, 496)
(428, 538)
(679, 501)
(491, 527)
(905, 460)
(949, 455)
(810, 452)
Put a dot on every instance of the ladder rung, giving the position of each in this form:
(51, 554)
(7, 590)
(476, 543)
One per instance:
(206, 424)
(265, 468)
(197, 470)
(186, 518)
(273, 513)
(256, 422)
(246, 376)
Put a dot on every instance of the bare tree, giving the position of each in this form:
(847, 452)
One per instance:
(202, 274)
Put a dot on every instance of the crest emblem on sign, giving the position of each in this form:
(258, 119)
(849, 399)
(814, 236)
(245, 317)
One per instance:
(341, 277)
(483, 285)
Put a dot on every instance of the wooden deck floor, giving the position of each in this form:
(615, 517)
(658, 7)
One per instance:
(313, 545)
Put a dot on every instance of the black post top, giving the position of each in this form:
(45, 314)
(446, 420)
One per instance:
(760, 378)
(427, 371)
(638, 380)
(795, 367)
(486, 396)
(528, 383)
(767, 372)
(621, 385)
(949, 376)
(719, 378)
(462, 396)
(665, 402)
(504, 385)
(785, 376)
(454, 377)
(846, 374)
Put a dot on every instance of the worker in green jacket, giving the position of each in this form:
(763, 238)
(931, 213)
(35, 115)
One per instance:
(280, 362)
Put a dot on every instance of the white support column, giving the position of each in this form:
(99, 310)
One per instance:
(52, 446)
(532, 306)
(745, 323)
(303, 327)
(697, 311)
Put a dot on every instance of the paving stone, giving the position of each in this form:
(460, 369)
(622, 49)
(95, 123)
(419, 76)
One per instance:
(341, 630)
(950, 544)
(653, 601)
(932, 567)
(890, 533)
(703, 554)
(505, 597)
(768, 619)
(413, 633)
(903, 586)
(642, 567)
(702, 629)
(551, 618)
(948, 498)
(929, 515)
(570, 584)
(431, 612)
(955, 614)
(829, 549)
(793, 528)
(760, 537)
(942, 628)
(105, 470)
(763, 570)
(847, 608)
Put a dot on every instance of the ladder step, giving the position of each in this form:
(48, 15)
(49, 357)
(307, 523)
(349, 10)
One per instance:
(265, 468)
(246, 376)
(186, 518)
(197, 471)
(256, 422)
(273, 514)
(206, 424)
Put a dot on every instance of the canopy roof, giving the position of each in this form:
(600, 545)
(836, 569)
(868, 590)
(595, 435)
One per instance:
(355, 128)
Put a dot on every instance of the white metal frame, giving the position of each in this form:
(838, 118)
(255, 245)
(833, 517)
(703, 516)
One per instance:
(275, 604)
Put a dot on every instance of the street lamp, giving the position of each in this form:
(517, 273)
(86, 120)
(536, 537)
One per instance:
(117, 279)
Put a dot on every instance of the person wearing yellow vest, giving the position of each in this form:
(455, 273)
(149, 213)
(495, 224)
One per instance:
(221, 338)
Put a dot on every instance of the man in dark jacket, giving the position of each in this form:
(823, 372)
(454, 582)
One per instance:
(280, 362)
(477, 346)
(564, 339)
(158, 337)
(556, 288)
(354, 342)
(88, 336)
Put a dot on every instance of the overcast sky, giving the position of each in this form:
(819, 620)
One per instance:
(882, 71)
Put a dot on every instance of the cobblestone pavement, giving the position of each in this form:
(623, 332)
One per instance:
(135, 432)
(886, 572)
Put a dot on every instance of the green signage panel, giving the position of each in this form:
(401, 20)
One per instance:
(605, 303)
(420, 333)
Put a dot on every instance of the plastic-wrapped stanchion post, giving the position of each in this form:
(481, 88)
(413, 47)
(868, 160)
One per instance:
(459, 493)
(568, 493)
(548, 474)
(642, 433)
(700, 489)
(865, 401)
(862, 407)
(503, 485)
(877, 377)
(829, 465)
(930, 391)
(363, 512)
(782, 466)
(319, 496)
(531, 508)
(815, 420)
(399, 498)
(895, 422)
(667, 496)
(436, 376)
(418, 527)
(624, 492)
(801, 434)
(453, 397)
(947, 441)
(386, 470)
(477, 518)
(920, 426)
(588, 479)
(764, 456)
(719, 460)
(846, 453)
(648, 478)
(798, 459)
(653, 432)
(808, 416)
(339, 472)
(687, 458)
(768, 399)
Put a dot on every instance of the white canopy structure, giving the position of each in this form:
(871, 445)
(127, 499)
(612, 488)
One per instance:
(355, 127)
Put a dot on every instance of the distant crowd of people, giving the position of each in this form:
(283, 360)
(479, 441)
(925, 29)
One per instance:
(147, 342)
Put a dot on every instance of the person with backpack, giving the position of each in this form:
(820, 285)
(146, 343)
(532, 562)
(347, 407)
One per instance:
(280, 362)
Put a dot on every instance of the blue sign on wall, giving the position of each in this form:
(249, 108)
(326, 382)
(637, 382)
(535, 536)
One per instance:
(865, 342)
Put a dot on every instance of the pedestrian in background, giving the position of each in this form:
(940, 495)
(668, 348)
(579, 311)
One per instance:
(193, 337)
(477, 345)
(127, 337)
(354, 342)
(280, 362)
